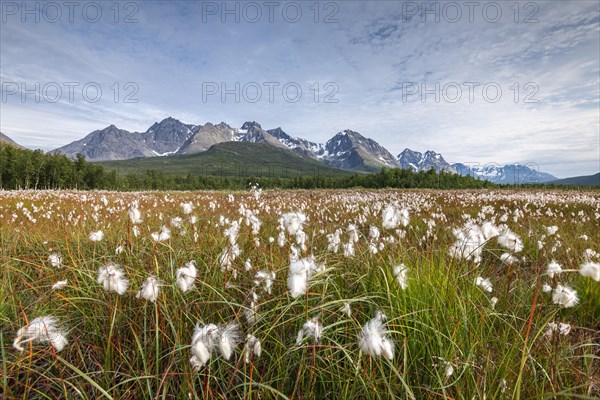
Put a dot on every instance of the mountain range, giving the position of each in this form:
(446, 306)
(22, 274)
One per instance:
(347, 150)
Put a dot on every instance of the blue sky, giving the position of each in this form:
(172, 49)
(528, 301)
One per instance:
(484, 82)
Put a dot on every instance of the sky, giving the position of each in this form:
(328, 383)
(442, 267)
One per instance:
(479, 82)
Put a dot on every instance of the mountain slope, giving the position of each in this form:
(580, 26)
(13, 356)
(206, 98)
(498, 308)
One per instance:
(350, 150)
(230, 159)
(110, 143)
(299, 145)
(167, 136)
(206, 136)
(584, 180)
(252, 132)
(6, 140)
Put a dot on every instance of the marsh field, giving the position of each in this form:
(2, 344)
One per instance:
(487, 294)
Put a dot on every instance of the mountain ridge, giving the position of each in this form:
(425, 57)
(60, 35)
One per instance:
(5, 139)
(581, 180)
(347, 149)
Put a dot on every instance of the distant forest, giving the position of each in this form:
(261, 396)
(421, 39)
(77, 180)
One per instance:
(27, 169)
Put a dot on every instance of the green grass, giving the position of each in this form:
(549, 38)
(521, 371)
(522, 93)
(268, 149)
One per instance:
(231, 159)
(121, 347)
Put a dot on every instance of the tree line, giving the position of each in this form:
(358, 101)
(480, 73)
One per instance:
(34, 169)
(27, 169)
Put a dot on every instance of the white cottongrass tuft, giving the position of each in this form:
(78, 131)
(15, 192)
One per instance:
(374, 340)
(297, 280)
(252, 310)
(203, 342)
(469, 242)
(489, 230)
(591, 269)
(374, 233)
(400, 274)
(232, 232)
(55, 259)
(187, 208)
(311, 328)
(112, 277)
(373, 248)
(346, 310)
(42, 330)
(565, 296)
(163, 234)
(300, 272)
(229, 337)
(493, 302)
(293, 222)
(509, 259)
(484, 284)
(135, 216)
(511, 241)
(176, 222)
(448, 367)
(334, 241)
(348, 249)
(546, 288)
(392, 217)
(266, 278)
(251, 347)
(352, 233)
(59, 285)
(96, 236)
(185, 276)
(228, 256)
(149, 290)
(560, 329)
(553, 268)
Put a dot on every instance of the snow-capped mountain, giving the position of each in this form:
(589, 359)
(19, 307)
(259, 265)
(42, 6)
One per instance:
(252, 132)
(351, 150)
(346, 150)
(418, 161)
(111, 143)
(299, 145)
(167, 136)
(509, 173)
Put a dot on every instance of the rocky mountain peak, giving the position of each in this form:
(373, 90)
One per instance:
(251, 125)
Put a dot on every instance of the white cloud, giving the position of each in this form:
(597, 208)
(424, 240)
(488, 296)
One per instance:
(171, 52)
